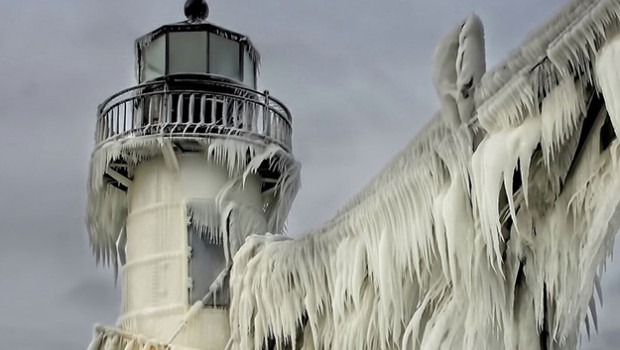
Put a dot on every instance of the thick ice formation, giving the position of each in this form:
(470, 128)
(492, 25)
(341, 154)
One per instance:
(107, 205)
(489, 234)
(459, 63)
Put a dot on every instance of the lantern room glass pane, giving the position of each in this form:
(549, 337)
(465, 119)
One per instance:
(187, 52)
(224, 57)
(154, 59)
(249, 70)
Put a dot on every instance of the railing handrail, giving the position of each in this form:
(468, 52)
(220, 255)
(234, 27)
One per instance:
(285, 117)
(109, 334)
(224, 107)
(204, 79)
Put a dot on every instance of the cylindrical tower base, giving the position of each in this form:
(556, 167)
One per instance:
(158, 281)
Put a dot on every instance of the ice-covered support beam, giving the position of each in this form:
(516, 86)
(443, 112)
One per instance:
(118, 177)
(106, 338)
(459, 64)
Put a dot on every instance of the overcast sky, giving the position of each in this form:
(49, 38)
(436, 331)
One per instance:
(354, 73)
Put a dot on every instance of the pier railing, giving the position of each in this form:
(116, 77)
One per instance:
(193, 107)
(105, 338)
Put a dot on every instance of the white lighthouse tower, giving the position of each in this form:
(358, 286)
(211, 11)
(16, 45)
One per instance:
(186, 165)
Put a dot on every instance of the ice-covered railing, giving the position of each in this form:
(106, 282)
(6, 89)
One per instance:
(190, 106)
(112, 338)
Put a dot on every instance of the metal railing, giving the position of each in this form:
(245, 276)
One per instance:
(113, 338)
(193, 107)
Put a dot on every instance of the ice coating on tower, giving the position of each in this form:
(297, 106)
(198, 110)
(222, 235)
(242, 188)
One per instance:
(106, 216)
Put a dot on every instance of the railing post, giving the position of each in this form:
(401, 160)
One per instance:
(253, 118)
(240, 114)
(266, 115)
(203, 104)
(180, 109)
(128, 116)
(116, 120)
(169, 103)
(147, 113)
(99, 132)
(225, 111)
(213, 109)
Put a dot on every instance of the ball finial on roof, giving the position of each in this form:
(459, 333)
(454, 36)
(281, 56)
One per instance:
(196, 10)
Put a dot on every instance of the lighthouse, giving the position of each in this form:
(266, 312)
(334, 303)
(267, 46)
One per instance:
(186, 165)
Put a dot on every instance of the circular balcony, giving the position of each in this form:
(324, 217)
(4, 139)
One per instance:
(194, 106)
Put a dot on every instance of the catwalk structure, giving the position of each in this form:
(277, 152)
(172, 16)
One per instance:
(491, 229)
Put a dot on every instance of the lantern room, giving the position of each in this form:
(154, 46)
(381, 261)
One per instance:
(197, 47)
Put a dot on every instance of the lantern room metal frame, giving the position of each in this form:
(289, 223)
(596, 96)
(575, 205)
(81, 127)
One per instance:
(210, 31)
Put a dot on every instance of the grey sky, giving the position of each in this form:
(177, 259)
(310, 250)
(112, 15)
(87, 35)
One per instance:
(355, 74)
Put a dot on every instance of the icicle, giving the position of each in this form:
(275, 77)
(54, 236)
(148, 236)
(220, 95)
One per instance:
(511, 105)
(561, 111)
(204, 217)
(592, 306)
(599, 289)
(131, 345)
(494, 162)
(608, 79)
(112, 343)
(587, 324)
(96, 342)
